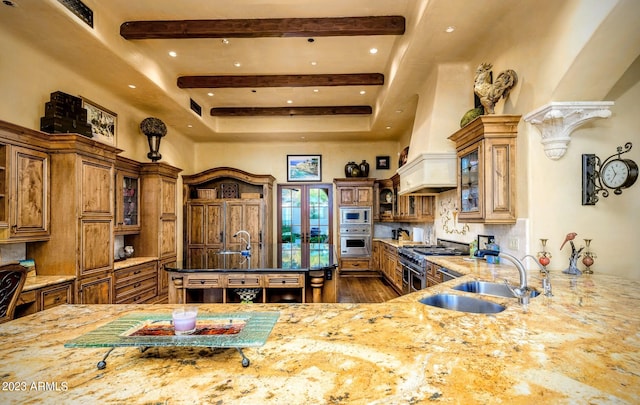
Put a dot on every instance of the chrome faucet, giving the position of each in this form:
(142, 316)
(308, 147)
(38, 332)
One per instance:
(546, 281)
(523, 293)
(246, 253)
(247, 241)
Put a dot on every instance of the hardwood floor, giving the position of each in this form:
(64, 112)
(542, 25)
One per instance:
(364, 290)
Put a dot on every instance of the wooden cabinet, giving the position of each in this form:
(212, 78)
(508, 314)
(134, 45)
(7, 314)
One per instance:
(376, 253)
(210, 229)
(24, 194)
(412, 207)
(486, 151)
(36, 298)
(355, 192)
(348, 264)
(384, 201)
(205, 285)
(95, 289)
(391, 267)
(434, 277)
(159, 219)
(81, 243)
(136, 284)
(127, 192)
(211, 223)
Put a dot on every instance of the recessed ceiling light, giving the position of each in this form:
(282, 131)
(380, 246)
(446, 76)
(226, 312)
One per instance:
(173, 54)
(237, 64)
(210, 94)
(450, 28)
(388, 127)
(225, 41)
(399, 111)
(314, 63)
(362, 92)
(373, 51)
(190, 126)
(289, 101)
(316, 91)
(132, 86)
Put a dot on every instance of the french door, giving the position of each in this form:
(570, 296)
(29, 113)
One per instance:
(305, 218)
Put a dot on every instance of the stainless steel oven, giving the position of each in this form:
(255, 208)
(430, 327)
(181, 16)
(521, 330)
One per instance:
(414, 261)
(355, 240)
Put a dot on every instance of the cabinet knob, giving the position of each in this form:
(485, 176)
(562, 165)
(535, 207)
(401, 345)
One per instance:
(242, 282)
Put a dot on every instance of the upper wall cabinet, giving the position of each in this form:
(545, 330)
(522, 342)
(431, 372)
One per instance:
(24, 186)
(486, 150)
(355, 191)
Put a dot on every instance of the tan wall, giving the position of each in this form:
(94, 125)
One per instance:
(548, 57)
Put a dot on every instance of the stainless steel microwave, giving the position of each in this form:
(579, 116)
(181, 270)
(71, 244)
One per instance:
(355, 215)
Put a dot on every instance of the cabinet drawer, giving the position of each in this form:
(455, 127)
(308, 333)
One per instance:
(204, 281)
(55, 296)
(284, 280)
(125, 290)
(132, 274)
(354, 264)
(139, 297)
(244, 280)
(27, 297)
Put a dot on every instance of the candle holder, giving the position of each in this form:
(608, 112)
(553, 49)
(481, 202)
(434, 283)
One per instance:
(544, 257)
(587, 260)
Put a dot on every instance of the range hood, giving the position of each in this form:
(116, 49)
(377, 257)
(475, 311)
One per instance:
(428, 174)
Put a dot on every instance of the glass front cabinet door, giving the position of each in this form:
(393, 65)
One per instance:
(127, 203)
(470, 203)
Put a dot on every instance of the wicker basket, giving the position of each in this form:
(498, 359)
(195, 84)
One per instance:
(208, 193)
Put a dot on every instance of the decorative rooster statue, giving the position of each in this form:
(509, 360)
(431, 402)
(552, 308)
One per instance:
(489, 93)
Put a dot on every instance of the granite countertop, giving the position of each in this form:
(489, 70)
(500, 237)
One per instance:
(35, 282)
(580, 346)
(132, 261)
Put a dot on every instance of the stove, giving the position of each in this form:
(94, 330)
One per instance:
(414, 261)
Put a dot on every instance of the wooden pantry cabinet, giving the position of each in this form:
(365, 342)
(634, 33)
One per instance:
(486, 150)
(81, 244)
(220, 202)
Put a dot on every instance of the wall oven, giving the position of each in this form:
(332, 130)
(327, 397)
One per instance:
(355, 215)
(355, 240)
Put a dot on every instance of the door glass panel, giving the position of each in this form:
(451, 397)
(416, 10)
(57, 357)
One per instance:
(319, 227)
(290, 232)
(305, 226)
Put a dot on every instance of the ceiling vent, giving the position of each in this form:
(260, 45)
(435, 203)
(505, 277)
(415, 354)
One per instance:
(80, 10)
(195, 107)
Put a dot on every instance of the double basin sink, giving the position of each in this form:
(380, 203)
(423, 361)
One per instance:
(474, 305)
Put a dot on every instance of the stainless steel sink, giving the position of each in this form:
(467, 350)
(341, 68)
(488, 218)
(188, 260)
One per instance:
(487, 288)
(463, 304)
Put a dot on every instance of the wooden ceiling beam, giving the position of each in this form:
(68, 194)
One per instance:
(264, 27)
(290, 111)
(255, 81)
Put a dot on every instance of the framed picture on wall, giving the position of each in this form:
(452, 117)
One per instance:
(382, 162)
(304, 168)
(103, 122)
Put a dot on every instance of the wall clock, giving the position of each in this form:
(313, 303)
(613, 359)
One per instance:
(614, 173)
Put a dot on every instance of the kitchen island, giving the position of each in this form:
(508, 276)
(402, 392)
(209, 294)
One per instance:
(580, 346)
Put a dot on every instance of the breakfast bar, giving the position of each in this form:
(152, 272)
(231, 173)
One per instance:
(580, 345)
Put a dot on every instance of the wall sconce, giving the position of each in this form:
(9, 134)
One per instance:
(154, 129)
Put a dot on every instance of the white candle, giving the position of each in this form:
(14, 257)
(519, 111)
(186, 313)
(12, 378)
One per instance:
(184, 320)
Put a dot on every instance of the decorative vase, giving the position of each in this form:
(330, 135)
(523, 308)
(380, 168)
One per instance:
(587, 260)
(364, 168)
(351, 169)
(544, 257)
